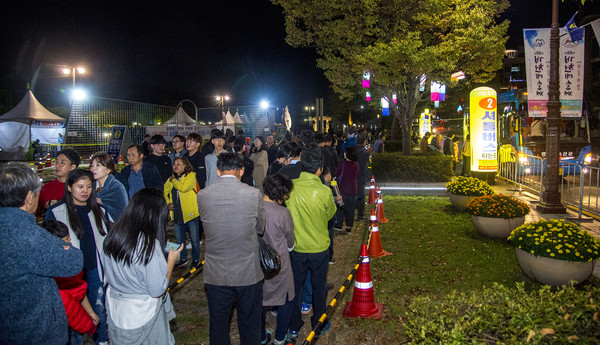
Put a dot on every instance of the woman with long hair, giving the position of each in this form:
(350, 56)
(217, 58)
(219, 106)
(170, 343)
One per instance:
(279, 233)
(88, 225)
(261, 161)
(110, 192)
(238, 147)
(180, 192)
(137, 274)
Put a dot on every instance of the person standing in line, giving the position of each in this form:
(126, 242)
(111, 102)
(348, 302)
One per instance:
(196, 158)
(311, 206)
(271, 149)
(435, 143)
(379, 145)
(31, 308)
(346, 176)
(279, 233)
(363, 175)
(88, 225)
(283, 158)
(261, 161)
(52, 192)
(139, 174)
(110, 192)
(146, 145)
(448, 149)
(232, 271)
(137, 274)
(466, 168)
(423, 144)
(178, 148)
(210, 160)
(294, 168)
(239, 144)
(180, 192)
(158, 158)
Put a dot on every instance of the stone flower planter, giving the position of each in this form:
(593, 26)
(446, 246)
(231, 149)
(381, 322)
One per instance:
(496, 227)
(552, 271)
(460, 201)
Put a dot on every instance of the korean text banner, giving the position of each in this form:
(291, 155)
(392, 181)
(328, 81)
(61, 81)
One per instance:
(484, 145)
(571, 70)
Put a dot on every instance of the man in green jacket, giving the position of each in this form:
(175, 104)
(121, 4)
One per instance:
(311, 206)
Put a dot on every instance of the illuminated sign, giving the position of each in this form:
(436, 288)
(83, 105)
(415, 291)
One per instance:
(484, 144)
(424, 124)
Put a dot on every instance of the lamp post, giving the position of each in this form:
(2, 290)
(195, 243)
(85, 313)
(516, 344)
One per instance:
(73, 70)
(550, 197)
(221, 100)
(308, 109)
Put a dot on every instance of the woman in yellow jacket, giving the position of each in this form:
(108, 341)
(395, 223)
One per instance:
(180, 192)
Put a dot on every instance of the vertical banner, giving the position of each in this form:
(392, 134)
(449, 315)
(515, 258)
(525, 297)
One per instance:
(368, 96)
(483, 131)
(115, 144)
(571, 70)
(424, 124)
(366, 82)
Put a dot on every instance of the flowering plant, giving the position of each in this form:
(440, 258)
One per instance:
(556, 239)
(497, 206)
(469, 186)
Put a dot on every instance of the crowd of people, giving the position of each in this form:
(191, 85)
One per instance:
(103, 250)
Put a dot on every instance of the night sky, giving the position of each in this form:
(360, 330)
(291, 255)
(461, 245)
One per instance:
(165, 52)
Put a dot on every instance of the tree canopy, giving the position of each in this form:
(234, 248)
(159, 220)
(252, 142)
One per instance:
(399, 42)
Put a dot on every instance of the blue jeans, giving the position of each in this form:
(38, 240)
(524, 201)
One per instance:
(180, 231)
(284, 314)
(95, 294)
(307, 295)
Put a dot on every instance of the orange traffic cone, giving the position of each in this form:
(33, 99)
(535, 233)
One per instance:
(372, 217)
(363, 300)
(380, 213)
(372, 194)
(375, 249)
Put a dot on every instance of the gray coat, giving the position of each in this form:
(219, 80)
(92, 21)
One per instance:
(232, 215)
(279, 233)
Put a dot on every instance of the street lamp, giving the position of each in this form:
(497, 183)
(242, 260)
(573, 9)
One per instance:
(73, 70)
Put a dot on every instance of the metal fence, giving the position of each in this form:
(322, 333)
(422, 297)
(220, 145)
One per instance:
(90, 121)
(579, 185)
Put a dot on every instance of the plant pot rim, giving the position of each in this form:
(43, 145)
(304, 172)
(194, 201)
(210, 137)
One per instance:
(476, 215)
(549, 257)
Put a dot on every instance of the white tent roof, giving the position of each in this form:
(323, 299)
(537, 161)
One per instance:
(28, 110)
(228, 120)
(237, 118)
(181, 118)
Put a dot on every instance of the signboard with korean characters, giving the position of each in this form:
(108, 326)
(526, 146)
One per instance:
(483, 130)
(571, 70)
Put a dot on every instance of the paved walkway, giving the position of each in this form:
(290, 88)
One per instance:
(439, 189)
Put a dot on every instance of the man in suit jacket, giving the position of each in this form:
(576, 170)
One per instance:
(232, 269)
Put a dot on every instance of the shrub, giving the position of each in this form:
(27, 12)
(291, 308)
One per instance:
(497, 206)
(502, 315)
(469, 186)
(556, 239)
(396, 167)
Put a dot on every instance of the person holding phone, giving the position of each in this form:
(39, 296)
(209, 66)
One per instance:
(138, 305)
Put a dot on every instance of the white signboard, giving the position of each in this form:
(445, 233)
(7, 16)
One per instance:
(537, 62)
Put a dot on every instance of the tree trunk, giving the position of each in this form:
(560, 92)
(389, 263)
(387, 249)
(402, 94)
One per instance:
(395, 130)
(406, 140)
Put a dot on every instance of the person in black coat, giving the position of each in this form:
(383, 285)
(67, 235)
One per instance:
(150, 177)
(238, 147)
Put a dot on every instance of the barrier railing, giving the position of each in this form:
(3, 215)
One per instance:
(579, 186)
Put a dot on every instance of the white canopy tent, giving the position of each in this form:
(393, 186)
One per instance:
(28, 121)
(181, 118)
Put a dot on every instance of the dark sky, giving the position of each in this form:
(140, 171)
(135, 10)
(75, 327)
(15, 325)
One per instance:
(164, 52)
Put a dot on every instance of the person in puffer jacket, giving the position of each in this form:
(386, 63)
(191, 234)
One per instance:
(80, 315)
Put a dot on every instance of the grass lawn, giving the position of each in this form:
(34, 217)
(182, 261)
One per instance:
(436, 250)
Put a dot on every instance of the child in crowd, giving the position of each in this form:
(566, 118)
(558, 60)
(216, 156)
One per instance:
(80, 314)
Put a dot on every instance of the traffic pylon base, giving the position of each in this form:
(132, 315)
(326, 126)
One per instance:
(380, 254)
(376, 312)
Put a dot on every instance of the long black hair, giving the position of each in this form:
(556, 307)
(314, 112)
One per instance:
(92, 204)
(143, 222)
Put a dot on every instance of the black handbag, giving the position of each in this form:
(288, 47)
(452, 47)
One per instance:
(270, 261)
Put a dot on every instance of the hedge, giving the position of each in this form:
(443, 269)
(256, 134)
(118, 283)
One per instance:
(502, 315)
(418, 167)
